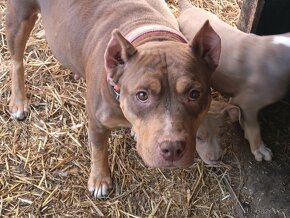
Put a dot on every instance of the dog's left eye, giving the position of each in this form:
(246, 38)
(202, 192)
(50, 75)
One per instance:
(200, 138)
(194, 94)
(142, 95)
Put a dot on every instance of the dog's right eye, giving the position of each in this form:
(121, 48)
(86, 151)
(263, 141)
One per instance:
(199, 138)
(142, 96)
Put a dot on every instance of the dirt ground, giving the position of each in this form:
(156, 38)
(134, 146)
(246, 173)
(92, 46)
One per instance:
(44, 161)
(265, 190)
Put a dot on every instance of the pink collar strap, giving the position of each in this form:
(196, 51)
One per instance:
(143, 31)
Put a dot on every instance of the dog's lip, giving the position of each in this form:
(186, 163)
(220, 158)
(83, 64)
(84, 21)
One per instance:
(164, 164)
(212, 162)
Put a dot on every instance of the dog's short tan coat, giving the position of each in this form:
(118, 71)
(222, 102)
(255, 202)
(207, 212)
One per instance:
(163, 81)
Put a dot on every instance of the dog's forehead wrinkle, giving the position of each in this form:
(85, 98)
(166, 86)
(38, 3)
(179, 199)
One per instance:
(167, 60)
(168, 94)
(153, 61)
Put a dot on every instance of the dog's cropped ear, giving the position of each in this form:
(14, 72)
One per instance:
(207, 45)
(117, 53)
(234, 112)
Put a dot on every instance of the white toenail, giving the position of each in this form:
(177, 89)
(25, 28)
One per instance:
(91, 189)
(19, 114)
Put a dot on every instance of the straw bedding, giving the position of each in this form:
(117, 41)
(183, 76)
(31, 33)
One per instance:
(44, 161)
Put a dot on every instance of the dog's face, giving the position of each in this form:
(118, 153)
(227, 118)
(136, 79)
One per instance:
(164, 94)
(164, 101)
(212, 128)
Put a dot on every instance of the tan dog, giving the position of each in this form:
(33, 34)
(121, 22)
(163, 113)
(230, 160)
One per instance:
(139, 70)
(254, 70)
(209, 132)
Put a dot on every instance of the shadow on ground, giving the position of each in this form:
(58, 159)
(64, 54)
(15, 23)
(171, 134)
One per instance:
(264, 189)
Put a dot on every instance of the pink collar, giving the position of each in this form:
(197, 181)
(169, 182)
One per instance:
(143, 31)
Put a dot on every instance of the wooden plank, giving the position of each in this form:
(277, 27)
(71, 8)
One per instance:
(250, 15)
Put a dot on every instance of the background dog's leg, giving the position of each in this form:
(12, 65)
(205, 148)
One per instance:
(249, 122)
(100, 180)
(20, 20)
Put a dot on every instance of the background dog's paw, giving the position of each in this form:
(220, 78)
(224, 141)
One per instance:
(20, 110)
(263, 153)
(99, 186)
(133, 134)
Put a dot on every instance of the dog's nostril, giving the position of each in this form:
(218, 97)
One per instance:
(172, 151)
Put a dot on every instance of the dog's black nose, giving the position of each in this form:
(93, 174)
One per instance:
(172, 151)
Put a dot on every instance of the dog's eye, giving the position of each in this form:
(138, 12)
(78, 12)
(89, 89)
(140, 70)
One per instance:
(142, 95)
(200, 138)
(194, 94)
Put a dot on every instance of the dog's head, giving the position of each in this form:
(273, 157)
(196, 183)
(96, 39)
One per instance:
(164, 92)
(212, 128)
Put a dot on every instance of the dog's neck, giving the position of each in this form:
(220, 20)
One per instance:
(160, 32)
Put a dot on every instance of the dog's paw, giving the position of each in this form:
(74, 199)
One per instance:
(99, 186)
(263, 153)
(19, 109)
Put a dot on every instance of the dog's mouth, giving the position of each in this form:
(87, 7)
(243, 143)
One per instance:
(165, 145)
(155, 160)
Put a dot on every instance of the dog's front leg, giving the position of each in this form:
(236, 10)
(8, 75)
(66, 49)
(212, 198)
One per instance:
(20, 19)
(249, 122)
(253, 134)
(100, 180)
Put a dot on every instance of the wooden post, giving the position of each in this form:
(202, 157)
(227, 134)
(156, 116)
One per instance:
(250, 15)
